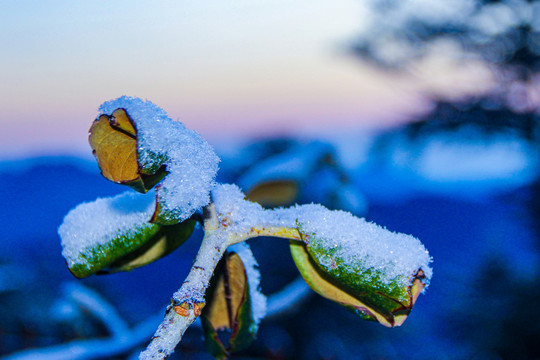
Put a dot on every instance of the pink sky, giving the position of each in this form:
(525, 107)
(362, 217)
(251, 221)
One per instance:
(248, 69)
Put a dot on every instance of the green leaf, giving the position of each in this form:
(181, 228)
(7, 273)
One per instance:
(227, 317)
(94, 259)
(114, 234)
(139, 247)
(361, 293)
(165, 241)
(162, 215)
(114, 143)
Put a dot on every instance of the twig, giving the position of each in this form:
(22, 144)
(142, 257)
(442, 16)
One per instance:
(184, 308)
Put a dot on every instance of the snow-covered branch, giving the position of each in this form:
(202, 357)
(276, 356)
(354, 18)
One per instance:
(187, 302)
(343, 258)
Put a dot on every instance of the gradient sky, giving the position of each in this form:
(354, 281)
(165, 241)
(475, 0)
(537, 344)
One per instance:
(224, 68)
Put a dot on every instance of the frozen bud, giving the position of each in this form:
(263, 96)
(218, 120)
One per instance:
(114, 234)
(137, 144)
(233, 304)
(374, 272)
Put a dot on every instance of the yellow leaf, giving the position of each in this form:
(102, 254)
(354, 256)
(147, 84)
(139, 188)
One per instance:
(388, 311)
(122, 122)
(114, 144)
(115, 150)
(229, 293)
(274, 193)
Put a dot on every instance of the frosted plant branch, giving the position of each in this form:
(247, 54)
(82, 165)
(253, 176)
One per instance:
(384, 268)
(187, 301)
(190, 296)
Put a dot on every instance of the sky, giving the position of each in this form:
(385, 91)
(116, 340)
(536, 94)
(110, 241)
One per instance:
(243, 68)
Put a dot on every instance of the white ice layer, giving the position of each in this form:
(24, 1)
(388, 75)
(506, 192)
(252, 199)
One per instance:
(96, 223)
(361, 245)
(191, 162)
(258, 300)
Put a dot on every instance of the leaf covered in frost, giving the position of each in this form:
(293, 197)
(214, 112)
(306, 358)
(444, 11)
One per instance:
(113, 140)
(361, 265)
(366, 301)
(114, 234)
(233, 310)
(165, 241)
(376, 273)
(137, 144)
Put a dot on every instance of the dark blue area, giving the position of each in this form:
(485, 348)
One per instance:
(485, 254)
(33, 203)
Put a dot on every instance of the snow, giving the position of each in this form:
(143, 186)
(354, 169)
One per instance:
(258, 300)
(355, 246)
(97, 223)
(237, 213)
(191, 162)
(351, 243)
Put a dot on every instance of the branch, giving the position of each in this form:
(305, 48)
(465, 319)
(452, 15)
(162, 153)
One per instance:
(186, 304)
(187, 301)
(272, 231)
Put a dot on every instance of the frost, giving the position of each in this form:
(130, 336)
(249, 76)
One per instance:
(237, 214)
(96, 223)
(352, 245)
(258, 300)
(191, 162)
(339, 239)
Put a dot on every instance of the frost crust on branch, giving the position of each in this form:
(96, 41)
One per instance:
(354, 244)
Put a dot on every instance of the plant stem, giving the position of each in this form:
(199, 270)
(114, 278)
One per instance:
(191, 294)
(272, 231)
(217, 237)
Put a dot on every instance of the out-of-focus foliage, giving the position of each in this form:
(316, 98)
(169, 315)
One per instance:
(503, 35)
(481, 113)
(285, 172)
(506, 33)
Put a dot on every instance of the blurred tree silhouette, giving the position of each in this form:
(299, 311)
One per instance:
(504, 34)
